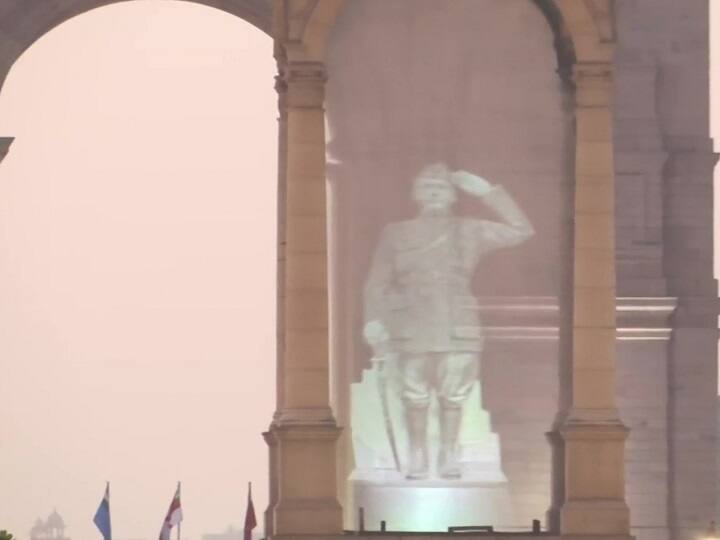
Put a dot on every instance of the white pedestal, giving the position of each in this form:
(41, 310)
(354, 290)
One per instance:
(479, 497)
(433, 505)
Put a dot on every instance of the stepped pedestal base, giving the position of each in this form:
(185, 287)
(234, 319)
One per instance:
(432, 505)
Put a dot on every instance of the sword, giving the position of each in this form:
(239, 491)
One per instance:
(383, 391)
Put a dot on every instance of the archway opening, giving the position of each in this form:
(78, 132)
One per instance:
(137, 266)
(449, 338)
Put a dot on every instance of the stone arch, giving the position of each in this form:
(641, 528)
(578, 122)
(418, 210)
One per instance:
(496, 44)
(584, 29)
(590, 428)
(22, 22)
(591, 26)
(563, 42)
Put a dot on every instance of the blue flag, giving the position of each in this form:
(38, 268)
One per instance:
(102, 516)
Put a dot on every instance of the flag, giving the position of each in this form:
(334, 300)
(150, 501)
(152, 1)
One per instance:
(102, 516)
(250, 521)
(174, 516)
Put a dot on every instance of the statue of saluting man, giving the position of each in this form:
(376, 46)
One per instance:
(419, 307)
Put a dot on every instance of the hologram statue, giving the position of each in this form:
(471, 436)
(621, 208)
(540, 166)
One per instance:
(420, 309)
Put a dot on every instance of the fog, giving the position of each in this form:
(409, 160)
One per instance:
(137, 245)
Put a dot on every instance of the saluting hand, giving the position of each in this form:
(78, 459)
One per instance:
(470, 183)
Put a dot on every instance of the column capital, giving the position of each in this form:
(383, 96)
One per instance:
(594, 82)
(303, 84)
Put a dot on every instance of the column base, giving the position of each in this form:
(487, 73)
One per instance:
(607, 518)
(307, 516)
(305, 461)
(594, 475)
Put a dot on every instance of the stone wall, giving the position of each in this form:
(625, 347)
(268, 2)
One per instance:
(664, 162)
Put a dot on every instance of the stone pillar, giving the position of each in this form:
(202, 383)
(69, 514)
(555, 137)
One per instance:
(303, 433)
(693, 367)
(280, 88)
(593, 434)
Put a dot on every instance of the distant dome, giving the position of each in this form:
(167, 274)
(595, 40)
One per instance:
(38, 527)
(55, 521)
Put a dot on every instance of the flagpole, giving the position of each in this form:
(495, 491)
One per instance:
(180, 523)
(250, 520)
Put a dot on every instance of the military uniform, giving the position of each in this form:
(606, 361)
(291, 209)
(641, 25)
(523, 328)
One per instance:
(419, 288)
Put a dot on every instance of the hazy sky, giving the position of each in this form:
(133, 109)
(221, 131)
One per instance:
(137, 243)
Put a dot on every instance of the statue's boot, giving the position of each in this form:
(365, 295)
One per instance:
(448, 457)
(417, 419)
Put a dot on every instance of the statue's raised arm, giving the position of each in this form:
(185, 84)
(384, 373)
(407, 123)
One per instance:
(513, 228)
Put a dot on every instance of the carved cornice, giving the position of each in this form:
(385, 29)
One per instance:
(593, 83)
(645, 318)
(302, 84)
(306, 420)
(537, 318)
(593, 425)
(593, 74)
(304, 72)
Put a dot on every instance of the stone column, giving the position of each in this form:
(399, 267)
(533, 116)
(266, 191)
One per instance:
(303, 434)
(592, 431)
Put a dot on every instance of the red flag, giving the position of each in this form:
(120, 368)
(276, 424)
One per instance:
(174, 516)
(250, 521)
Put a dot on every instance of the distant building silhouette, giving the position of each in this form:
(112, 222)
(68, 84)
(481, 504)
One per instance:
(53, 527)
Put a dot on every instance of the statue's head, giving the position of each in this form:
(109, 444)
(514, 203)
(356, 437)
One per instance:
(433, 190)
